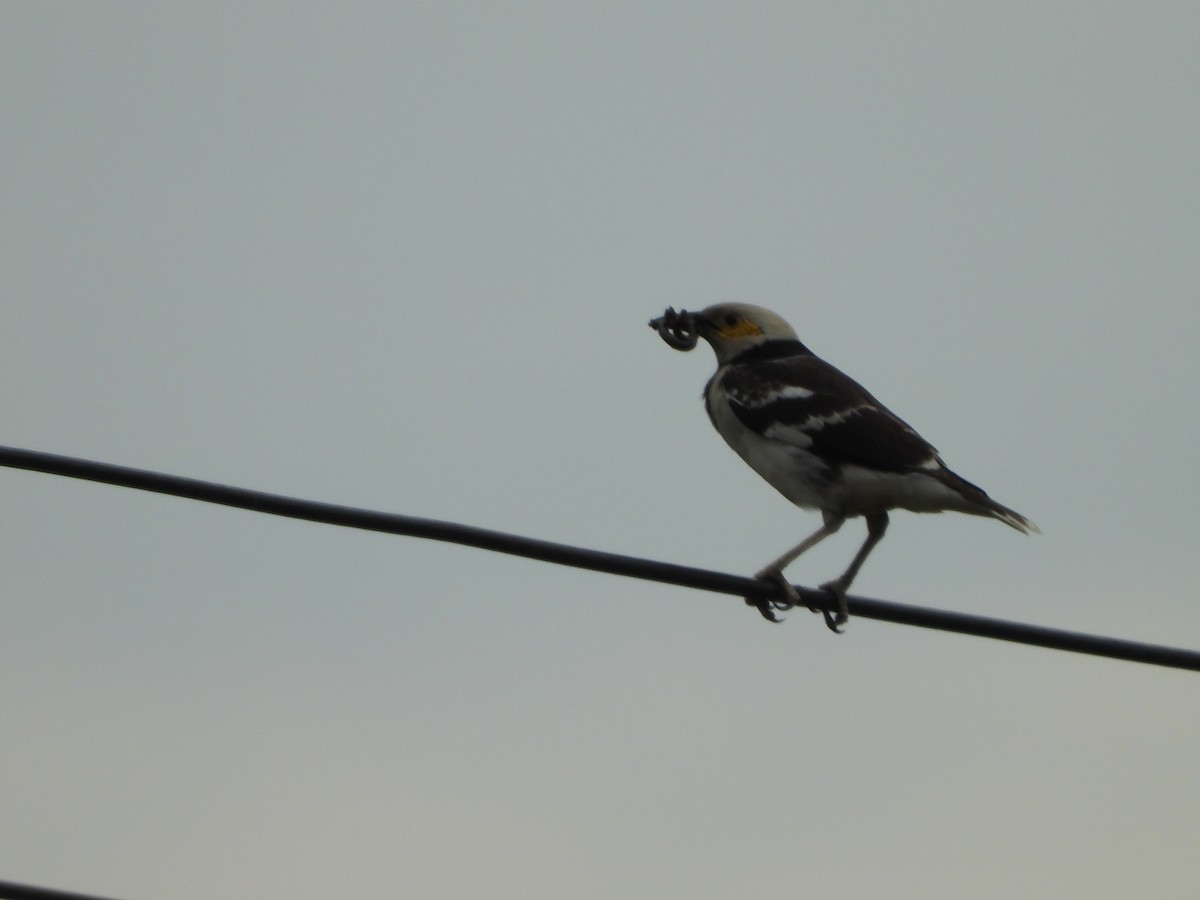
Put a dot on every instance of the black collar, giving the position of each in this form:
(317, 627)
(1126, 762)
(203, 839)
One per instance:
(770, 350)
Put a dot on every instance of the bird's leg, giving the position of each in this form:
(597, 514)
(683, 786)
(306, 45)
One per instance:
(876, 527)
(774, 572)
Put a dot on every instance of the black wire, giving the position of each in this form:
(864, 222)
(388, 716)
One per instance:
(596, 560)
(10, 890)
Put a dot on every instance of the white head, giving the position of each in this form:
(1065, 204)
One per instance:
(733, 328)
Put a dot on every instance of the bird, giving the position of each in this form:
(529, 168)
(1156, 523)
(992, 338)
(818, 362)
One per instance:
(819, 438)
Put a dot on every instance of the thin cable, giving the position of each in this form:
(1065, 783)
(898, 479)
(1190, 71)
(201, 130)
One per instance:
(595, 560)
(10, 890)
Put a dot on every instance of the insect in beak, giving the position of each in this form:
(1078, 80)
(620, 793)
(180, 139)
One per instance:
(677, 329)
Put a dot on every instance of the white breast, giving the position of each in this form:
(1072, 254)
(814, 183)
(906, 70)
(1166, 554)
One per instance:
(786, 465)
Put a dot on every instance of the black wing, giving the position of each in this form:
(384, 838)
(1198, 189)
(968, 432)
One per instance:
(805, 401)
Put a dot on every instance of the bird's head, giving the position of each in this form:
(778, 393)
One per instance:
(730, 328)
(733, 328)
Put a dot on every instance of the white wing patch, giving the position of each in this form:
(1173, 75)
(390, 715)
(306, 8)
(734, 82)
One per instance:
(799, 433)
(784, 392)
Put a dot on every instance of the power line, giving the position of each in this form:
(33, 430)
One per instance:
(10, 890)
(596, 560)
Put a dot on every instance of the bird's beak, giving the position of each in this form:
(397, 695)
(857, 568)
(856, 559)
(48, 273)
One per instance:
(677, 329)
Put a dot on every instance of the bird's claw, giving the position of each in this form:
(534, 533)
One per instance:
(834, 620)
(677, 329)
(766, 607)
(769, 605)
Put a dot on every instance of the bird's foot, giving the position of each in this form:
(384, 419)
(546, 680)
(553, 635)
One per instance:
(834, 620)
(769, 605)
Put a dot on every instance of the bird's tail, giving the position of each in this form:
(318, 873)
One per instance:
(980, 504)
(1011, 518)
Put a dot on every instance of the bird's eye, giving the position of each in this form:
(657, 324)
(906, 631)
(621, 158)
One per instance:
(731, 319)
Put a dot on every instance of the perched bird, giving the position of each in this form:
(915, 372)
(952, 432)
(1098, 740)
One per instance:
(818, 437)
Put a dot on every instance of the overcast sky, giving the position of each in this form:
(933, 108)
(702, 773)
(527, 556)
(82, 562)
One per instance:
(402, 256)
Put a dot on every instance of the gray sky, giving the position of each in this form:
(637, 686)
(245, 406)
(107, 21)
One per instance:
(402, 256)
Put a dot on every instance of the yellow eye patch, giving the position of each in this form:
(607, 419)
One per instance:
(741, 327)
